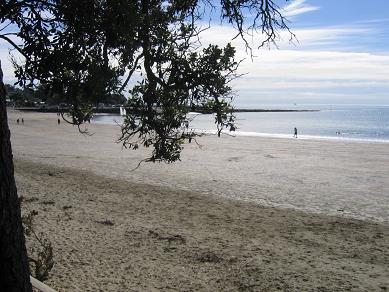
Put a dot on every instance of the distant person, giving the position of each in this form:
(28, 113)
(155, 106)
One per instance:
(17, 121)
(59, 121)
(22, 121)
(295, 133)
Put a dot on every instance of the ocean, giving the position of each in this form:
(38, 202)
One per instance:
(330, 122)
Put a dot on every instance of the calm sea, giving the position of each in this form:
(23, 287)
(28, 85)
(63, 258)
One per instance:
(354, 123)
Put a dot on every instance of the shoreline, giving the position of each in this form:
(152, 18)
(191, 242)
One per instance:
(301, 137)
(208, 222)
(346, 179)
(337, 137)
(341, 137)
(272, 135)
(116, 110)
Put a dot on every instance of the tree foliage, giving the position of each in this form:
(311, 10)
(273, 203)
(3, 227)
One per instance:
(147, 49)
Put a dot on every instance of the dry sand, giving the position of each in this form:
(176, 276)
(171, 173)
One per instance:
(180, 227)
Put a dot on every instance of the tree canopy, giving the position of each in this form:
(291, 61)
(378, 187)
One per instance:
(147, 49)
(83, 51)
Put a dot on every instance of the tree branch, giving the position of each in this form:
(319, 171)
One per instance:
(13, 45)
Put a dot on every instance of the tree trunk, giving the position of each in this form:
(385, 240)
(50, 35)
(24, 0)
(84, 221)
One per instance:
(14, 270)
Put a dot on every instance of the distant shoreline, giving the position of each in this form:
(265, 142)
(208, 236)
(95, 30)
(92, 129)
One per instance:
(108, 110)
(272, 110)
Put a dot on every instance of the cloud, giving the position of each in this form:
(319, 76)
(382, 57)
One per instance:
(297, 7)
(322, 37)
(333, 38)
(374, 21)
(313, 75)
(6, 66)
(319, 68)
(323, 66)
(318, 65)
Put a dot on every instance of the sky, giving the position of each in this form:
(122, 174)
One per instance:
(341, 56)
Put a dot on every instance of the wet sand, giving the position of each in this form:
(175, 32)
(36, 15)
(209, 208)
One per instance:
(181, 227)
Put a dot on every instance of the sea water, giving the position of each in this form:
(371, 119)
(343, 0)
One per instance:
(340, 122)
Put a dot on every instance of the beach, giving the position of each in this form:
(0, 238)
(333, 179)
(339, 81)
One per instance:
(236, 213)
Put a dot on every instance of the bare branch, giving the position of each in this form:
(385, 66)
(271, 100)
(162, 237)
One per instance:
(131, 72)
(15, 46)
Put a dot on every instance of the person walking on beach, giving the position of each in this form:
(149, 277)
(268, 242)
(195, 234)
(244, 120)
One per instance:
(59, 121)
(17, 121)
(295, 132)
(22, 121)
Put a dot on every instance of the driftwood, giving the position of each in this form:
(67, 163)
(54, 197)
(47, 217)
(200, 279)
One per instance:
(36, 284)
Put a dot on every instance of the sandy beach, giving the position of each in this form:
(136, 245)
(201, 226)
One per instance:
(237, 213)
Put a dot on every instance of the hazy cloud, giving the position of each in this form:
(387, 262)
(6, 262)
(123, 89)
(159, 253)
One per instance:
(318, 68)
(297, 7)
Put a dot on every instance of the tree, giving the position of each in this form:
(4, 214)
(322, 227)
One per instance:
(82, 51)
(14, 270)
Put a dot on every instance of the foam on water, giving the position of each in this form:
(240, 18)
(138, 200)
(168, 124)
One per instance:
(288, 136)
